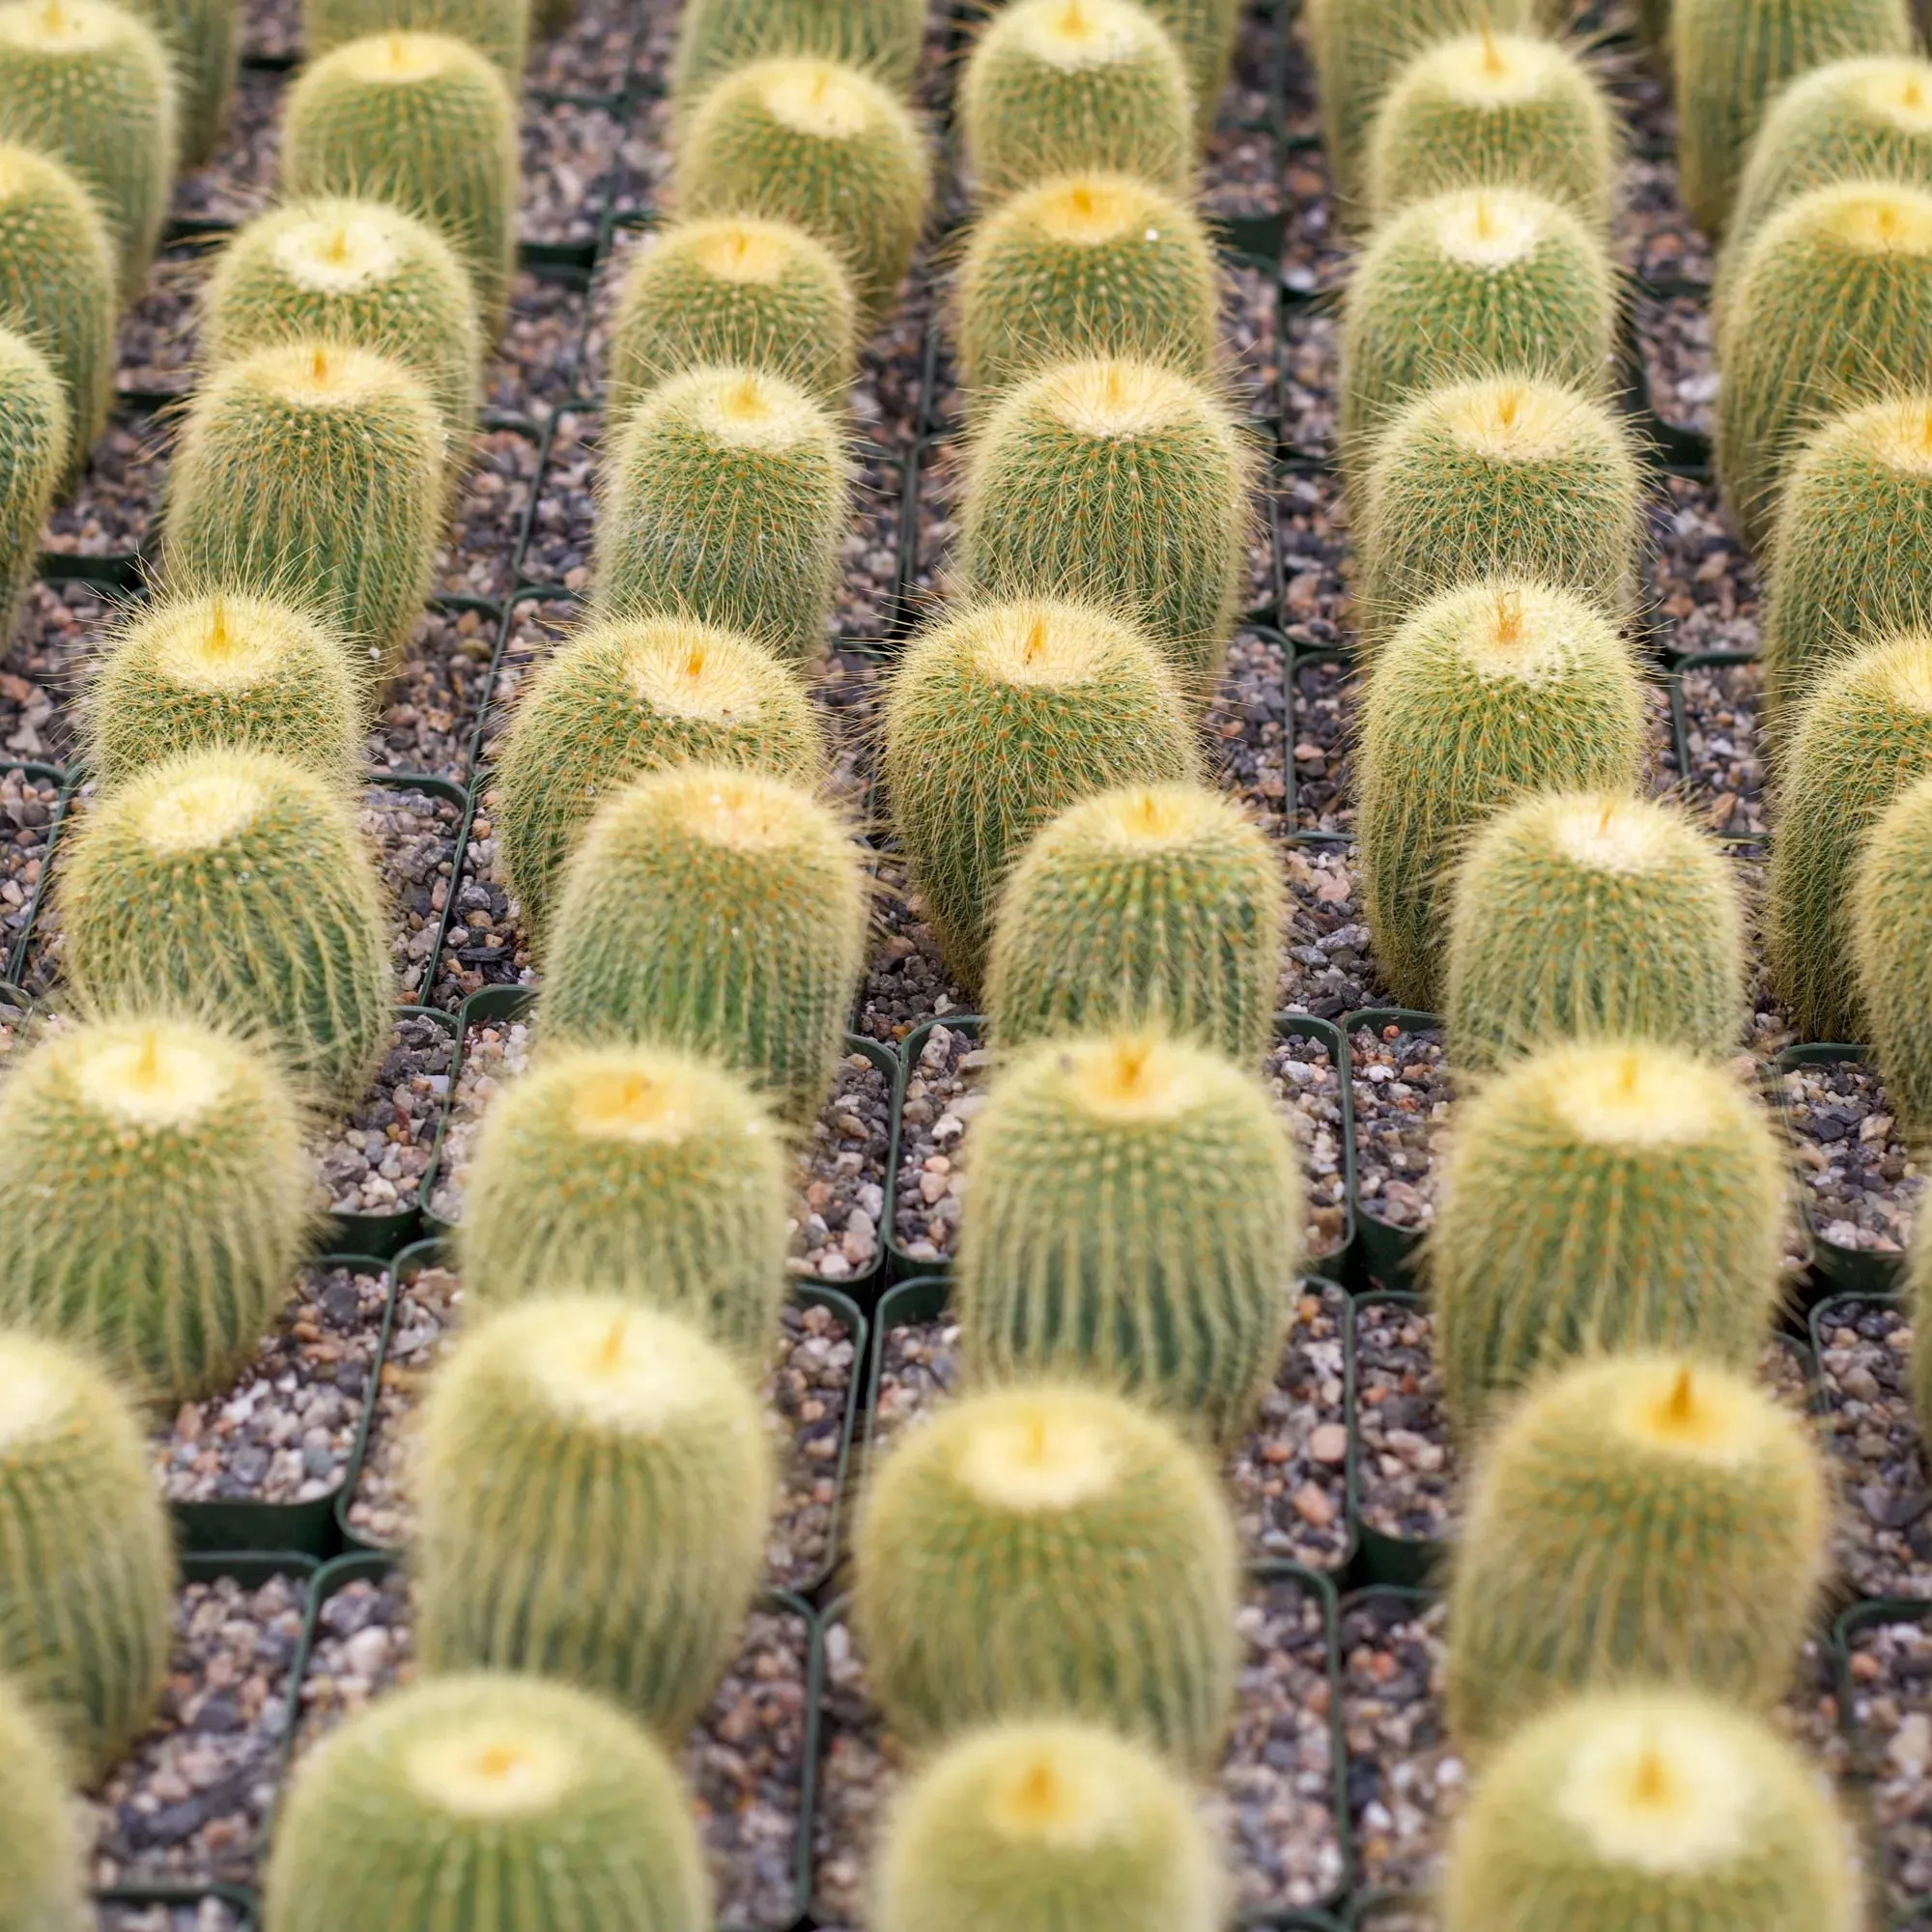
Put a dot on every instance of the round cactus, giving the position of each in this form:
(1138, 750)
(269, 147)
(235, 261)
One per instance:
(203, 43)
(595, 1484)
(314, 474)
(1058, 86)
(885, 37)
(720, 909)
(86, 1615)
(421, 121)
(1644, 1517)
(1088, 264)
(1652, 1807)
(732, 293)
(1135, 1219)
(1831, 307)
(1890, 900)
(1864, 735)
(1496, 476)
(498, 28)
(999, 717)
(35, 441)
(1497, 689)
(820, 145)
(726, 498)
(1120, 483)
(1205, 31)
(1034, 1826)
(237, 883)
(39, 1847)
(1048, 1550)
(625, 699)
(1580, 914)
(544, 1807)
(1158, 903)
(1603, 1195)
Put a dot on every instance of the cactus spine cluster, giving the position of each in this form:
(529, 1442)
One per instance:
(34, 447)
(204, 43)
(884, 37)
(1889, 903)
(40, 1848)
(498, 28)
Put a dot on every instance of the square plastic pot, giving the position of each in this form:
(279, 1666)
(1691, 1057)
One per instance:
(1388, 1251)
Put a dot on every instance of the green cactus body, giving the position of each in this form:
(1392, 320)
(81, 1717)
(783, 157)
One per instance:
(34, 445)
(594, 1482)
(1050, 1551)
(1119, 483)
(57, 286)
(1035, 1825)
(499, 29)
(1056, 86)
(40, 1848)
(621, 699)
(997, 719)
(1652, 1807)
(1135, 1219)
(1494, 110)
(87, 1590)
(1159, 904)
(314, 474)
(1580, 914)
(726, 499)
(1731, 57)
(1498, 689)
(424, 122)
(1645, 1516)
(1890, 897)
(719, 909)
(884, 37)
(820, 145)
(1496, 476)
(204, 41)
(533, 1803)
(1831, 307)
(1603, 1196)
(1483, 281)
(1089, 265)
(1861, 739)
(238, 884)
(732, 293)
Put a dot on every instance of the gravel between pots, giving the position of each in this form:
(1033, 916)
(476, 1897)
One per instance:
(1892, 1711)
(1655, 238)
(906, 979)
(568, 150)
(1862, 1184)
(374, 1162)
(200, 1915)
(239, 181)
(1725, 784)
(156, 350)
(1401, 1088)
(532, 370)
(479, 553)
(1704, 585)
(1329, 968)
(27, 808)
(1679, 364)
(414, 835)
(429, 709)
(116, 505)
(43, 666)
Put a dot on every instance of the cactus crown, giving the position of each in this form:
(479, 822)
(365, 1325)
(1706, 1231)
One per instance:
(151, 1077)
(1618, 1097)
(1074, 34)
(1489, 69)
(62, 26)
(1875, 217)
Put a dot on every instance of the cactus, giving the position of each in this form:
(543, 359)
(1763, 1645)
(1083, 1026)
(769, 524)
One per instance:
(748, 294)
(237, 883)
(161, 1200)
(1085, 266)
(1494, 110)
(87, 1590)
(1864, 735)
(1055, 87)
(1603, 1195)
(719, 909)
(1576, 914)
(1651, 1807)
(538, 1805)
(1119, 483)
(1496, 476)
(885, 37)
(314, 474)
(1831, 307)
(1919, 1288)
(35, 441)
(594, 1484)
(820, 145)
(1037, 1825)
(1048, 1550)
(423, 122)
(499, 29)
(1135, 1219)
(1643, 1516)
(1158, 903)
(40, 1848)
(1730, 57)
(999, 717)
(1205, 31)
(203, 43)
(1497, 689)
(200, 673)
(625, 699)
(1893, 949)
(726, 498)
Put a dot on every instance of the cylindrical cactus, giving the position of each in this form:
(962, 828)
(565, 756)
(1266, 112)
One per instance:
(885, 37)
(39, 1847)
(35, 441)
(498, 28)
(1156, 903)
(1891, 898)
(594, 1482)
(1602, 1196)
(203, 43)
(1048, 1550)
(1205, 31)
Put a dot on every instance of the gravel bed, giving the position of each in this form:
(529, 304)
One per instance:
(1861, 1182)
(1704, 586)
(846, 688)
(1311, 372)
(1654, 237)
(1323, 694)
(568, 150)
(614, 265)
(495, 1051)
(27, 806)
(485, 944)
(591, 56)
(202, 1915)
(117, 502)
(1313, 523)
(1314, 249)
(17, 1023)
(868, 579)
(532, 371)
(432, 706)
(536, 625)
(478, 557)
(413, 836)
(1400, 1086)
(1329, 970)
(906, 979)
(44, 664)
(641, 168)
(1250, 331)
(942, 491)
(1892, 1710)
(1246, 726)
(1307, 1089)
(154, 354)
(271, 29)
(239, 181)
(373, 1163)
(1679, 362)
(1237, 179)
(943, 1092)
(563, 527)
(1726, 781)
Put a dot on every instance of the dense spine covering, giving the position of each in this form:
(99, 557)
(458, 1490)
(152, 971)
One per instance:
(1600, 1196)
(1205, 31)
(539, 1804)
(1048, 1550)
(39, 1847)
(498, 28)
(203, 43)
(1158, 904)
(593, 1483)
(999, 717)
(1892, 931)
(884, 37)
(1135, 1220)
(34, 445)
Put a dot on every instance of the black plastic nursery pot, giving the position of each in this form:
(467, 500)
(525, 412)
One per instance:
(14, 949)
(236, 1908)
(386, 1234)
(1387, 1250)
(1401, 1563)
(1869, 1761)
(1390, 1912)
